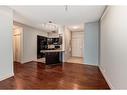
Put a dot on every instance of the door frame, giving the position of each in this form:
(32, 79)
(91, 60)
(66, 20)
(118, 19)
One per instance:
(83, 43)
(21, 42)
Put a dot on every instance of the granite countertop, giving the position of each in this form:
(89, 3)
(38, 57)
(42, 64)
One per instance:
(55, 50)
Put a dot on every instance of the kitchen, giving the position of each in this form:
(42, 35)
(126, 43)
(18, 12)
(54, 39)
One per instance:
(53, 47)
(50, 49)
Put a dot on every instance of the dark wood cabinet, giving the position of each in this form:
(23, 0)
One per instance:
(52, 58)
(41, 45)
(55, 41)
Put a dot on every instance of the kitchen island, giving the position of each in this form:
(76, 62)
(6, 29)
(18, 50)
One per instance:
(53, 56)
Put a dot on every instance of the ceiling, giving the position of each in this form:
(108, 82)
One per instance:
(71, 15)
(76, 28)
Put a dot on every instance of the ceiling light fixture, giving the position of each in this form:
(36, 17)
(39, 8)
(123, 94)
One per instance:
(75, 27)
(50, 26)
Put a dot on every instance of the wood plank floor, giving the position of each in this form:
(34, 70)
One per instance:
(35, 75)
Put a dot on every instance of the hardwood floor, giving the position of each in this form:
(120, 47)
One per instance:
(35, 75)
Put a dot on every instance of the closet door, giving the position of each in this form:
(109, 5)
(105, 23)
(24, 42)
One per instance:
(77, 44)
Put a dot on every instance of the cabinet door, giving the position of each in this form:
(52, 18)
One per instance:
(52, 58)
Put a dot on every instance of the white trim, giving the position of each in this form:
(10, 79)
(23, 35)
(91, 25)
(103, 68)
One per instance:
(74, 63)
(6, 76)
(106, 78)
(105, 12)
(84, 64)
(91, 64)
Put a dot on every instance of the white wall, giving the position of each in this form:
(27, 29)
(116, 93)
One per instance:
(30, 42)
(6, 50)
(91, 43)
(114, 46)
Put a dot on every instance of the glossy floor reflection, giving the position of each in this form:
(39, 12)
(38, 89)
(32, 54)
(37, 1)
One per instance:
(35, 75)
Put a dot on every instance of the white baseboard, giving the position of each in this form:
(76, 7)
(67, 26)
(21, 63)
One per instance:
(91, 64)
(6, 76)
(83, 63)
(106, 78)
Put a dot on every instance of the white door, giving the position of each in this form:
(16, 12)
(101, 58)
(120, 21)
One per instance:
(77, 44)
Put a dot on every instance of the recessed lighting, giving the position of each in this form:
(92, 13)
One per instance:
(75, 27)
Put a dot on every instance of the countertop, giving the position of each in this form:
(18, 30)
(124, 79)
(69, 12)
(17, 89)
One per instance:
(55, 50)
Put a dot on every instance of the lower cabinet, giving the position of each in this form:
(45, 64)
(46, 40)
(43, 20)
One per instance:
(52, 58)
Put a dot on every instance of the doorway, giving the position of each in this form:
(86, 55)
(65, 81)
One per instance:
(77, 47)
(17, 44)
(77, 44)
